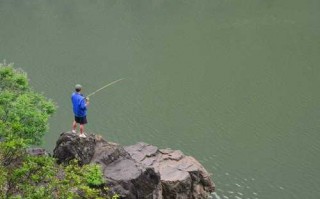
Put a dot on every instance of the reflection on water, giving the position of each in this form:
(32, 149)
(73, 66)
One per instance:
(233, 83)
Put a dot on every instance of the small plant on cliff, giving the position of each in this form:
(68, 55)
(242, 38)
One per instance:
(94, 175)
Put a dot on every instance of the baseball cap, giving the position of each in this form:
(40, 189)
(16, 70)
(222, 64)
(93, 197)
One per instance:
(78, 86)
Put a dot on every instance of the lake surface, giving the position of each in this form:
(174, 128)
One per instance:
(233, 83)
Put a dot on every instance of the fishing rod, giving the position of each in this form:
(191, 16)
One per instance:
(104, 87)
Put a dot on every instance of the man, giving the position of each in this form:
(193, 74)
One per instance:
(79, 104)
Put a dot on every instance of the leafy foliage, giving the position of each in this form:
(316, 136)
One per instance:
(13, 79)
(23, 112)
(39, 177)
(93, 176)
(24, 117)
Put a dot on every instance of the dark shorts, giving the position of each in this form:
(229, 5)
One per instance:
(81, 120)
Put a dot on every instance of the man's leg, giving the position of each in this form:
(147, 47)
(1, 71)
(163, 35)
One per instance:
(74, 126)
(81, 131)
(81, 128)
(82, 123)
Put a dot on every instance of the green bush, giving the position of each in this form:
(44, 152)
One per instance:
(93, 175)
(23, 112)
(13, 79)
(40, 177)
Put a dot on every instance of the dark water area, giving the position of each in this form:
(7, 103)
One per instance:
(233, 83)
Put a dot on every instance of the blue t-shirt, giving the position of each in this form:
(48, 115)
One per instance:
(79, 104)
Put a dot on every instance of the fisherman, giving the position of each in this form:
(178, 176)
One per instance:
(80, 104)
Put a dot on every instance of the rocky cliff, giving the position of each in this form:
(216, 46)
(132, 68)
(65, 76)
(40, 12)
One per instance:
(140, 171)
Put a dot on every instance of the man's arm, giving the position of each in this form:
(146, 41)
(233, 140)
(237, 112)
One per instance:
(83, 104)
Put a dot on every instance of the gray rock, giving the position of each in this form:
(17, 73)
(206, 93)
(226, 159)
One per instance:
(37, 152)
(70, 146)
(124, 175)
(181, 176)
(139, 171)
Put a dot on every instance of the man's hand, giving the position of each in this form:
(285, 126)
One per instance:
(87, 101)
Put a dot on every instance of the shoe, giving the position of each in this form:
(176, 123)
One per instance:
(82, 135)
(73, 131)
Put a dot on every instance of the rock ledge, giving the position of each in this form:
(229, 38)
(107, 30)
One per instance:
(139, 171)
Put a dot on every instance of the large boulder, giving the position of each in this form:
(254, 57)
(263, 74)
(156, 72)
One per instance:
(181, 176)
(140, 171)
(124, 175)
(70, 146)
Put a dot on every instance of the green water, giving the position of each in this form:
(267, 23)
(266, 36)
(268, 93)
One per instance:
(233, 83)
